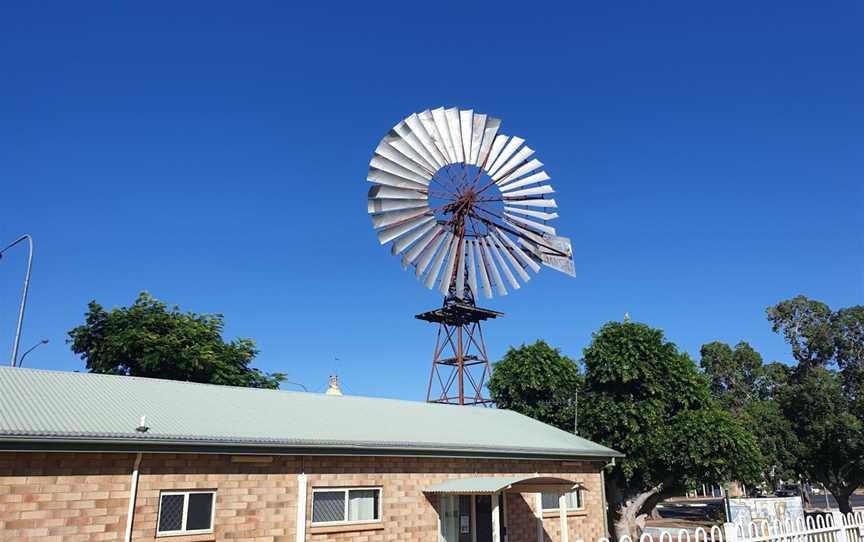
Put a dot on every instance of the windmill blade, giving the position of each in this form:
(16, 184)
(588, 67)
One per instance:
(477, 138)
(431, 128)
(382, 205)
(392, 232)
(428, 252)
(501, 247)
(504, 267)
(435, 268)
(393, 217)
(406, 149)
(466, 121)
(514, 248)
(548, 203)
(529, 223)
(400, 244)
(544, 243)
(536, 214)
(418, 128)
(562, 263)
(447, 277)
(408, 136)
(531, 179)
(378, 176)
(499, 284)
(524, 169)
(439, 117)
(412, 253)
(521, 155)
(472, 269)
(506, 153)
(536, 191)
(497, 145)
(388, 151)
(492, 125)
(385, 164)
(379, 191)
(455, 129)
(460, 270)
(484, 275)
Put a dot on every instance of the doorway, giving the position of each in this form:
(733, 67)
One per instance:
(468, 518)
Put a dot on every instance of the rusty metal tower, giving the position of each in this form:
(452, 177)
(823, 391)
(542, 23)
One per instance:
(460, 364)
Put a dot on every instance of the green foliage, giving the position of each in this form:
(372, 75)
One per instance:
(806, 326)
(538, 381)
(823, 395)
(149, 339)
(647, 400)
(732, 374)
(745, 387)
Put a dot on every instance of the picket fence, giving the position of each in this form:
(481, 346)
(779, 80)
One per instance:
(830, 527)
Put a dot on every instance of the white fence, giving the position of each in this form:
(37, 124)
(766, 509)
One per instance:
(832, 527)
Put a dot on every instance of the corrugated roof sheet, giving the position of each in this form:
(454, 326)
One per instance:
(66, 406)
(492, 484)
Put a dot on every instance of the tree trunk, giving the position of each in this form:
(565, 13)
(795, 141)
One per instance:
(629, 521)
(841, 495)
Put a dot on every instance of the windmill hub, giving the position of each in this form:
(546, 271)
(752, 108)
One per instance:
(467, 207)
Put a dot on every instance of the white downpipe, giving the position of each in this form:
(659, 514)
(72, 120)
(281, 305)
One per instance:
(301, 507)
(133, 492)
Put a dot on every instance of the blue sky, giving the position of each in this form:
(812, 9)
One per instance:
(707, 158)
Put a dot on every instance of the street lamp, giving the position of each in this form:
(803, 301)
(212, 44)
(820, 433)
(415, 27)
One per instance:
(17, 340)
(32, 348)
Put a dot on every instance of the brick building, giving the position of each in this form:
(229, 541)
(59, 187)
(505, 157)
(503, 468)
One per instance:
(95, 457)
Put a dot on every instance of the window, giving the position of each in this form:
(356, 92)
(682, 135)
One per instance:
(574, 500)
(333, 506)
(185, 512)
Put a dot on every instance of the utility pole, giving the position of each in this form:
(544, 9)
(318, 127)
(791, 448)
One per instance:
(576, 413)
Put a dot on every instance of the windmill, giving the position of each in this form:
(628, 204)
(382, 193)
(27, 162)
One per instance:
(467, 207)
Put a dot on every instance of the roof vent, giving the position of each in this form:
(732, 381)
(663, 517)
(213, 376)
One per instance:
(142, 427)
(334, 388)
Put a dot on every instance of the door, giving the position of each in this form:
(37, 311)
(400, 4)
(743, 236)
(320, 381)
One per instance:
(484, 517)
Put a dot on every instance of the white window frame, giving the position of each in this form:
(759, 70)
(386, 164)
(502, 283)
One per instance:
(557, 508)
(347, 490)
(186, 494)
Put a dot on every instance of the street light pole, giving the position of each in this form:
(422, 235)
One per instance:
(32, 348)
(17, 340)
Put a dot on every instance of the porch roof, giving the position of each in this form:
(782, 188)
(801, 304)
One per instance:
(482, 485)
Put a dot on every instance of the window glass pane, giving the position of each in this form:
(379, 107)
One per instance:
(550, 501)
(573, 500)
(328, 506)
(200, 509)
(363, 504)
(171, 513)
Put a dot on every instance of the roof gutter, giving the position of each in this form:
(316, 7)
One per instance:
(208, 447)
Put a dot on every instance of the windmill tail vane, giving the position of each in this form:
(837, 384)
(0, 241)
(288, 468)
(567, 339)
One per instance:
(469, 208)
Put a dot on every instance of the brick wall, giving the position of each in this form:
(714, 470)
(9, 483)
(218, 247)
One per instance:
(84, 497)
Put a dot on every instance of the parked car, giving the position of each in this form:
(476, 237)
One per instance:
(788, 490)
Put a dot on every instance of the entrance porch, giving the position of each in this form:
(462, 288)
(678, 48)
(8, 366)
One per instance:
(475, 509)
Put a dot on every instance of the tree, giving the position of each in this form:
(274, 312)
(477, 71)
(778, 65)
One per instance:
(149, 339)
(742, 384)
(538, 381)
(732, 374)
(823, 394)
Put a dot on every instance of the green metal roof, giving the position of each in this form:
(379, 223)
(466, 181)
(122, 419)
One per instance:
(44, 408)
(490, 484)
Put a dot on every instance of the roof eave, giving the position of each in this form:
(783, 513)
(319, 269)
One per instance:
(89, 444)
